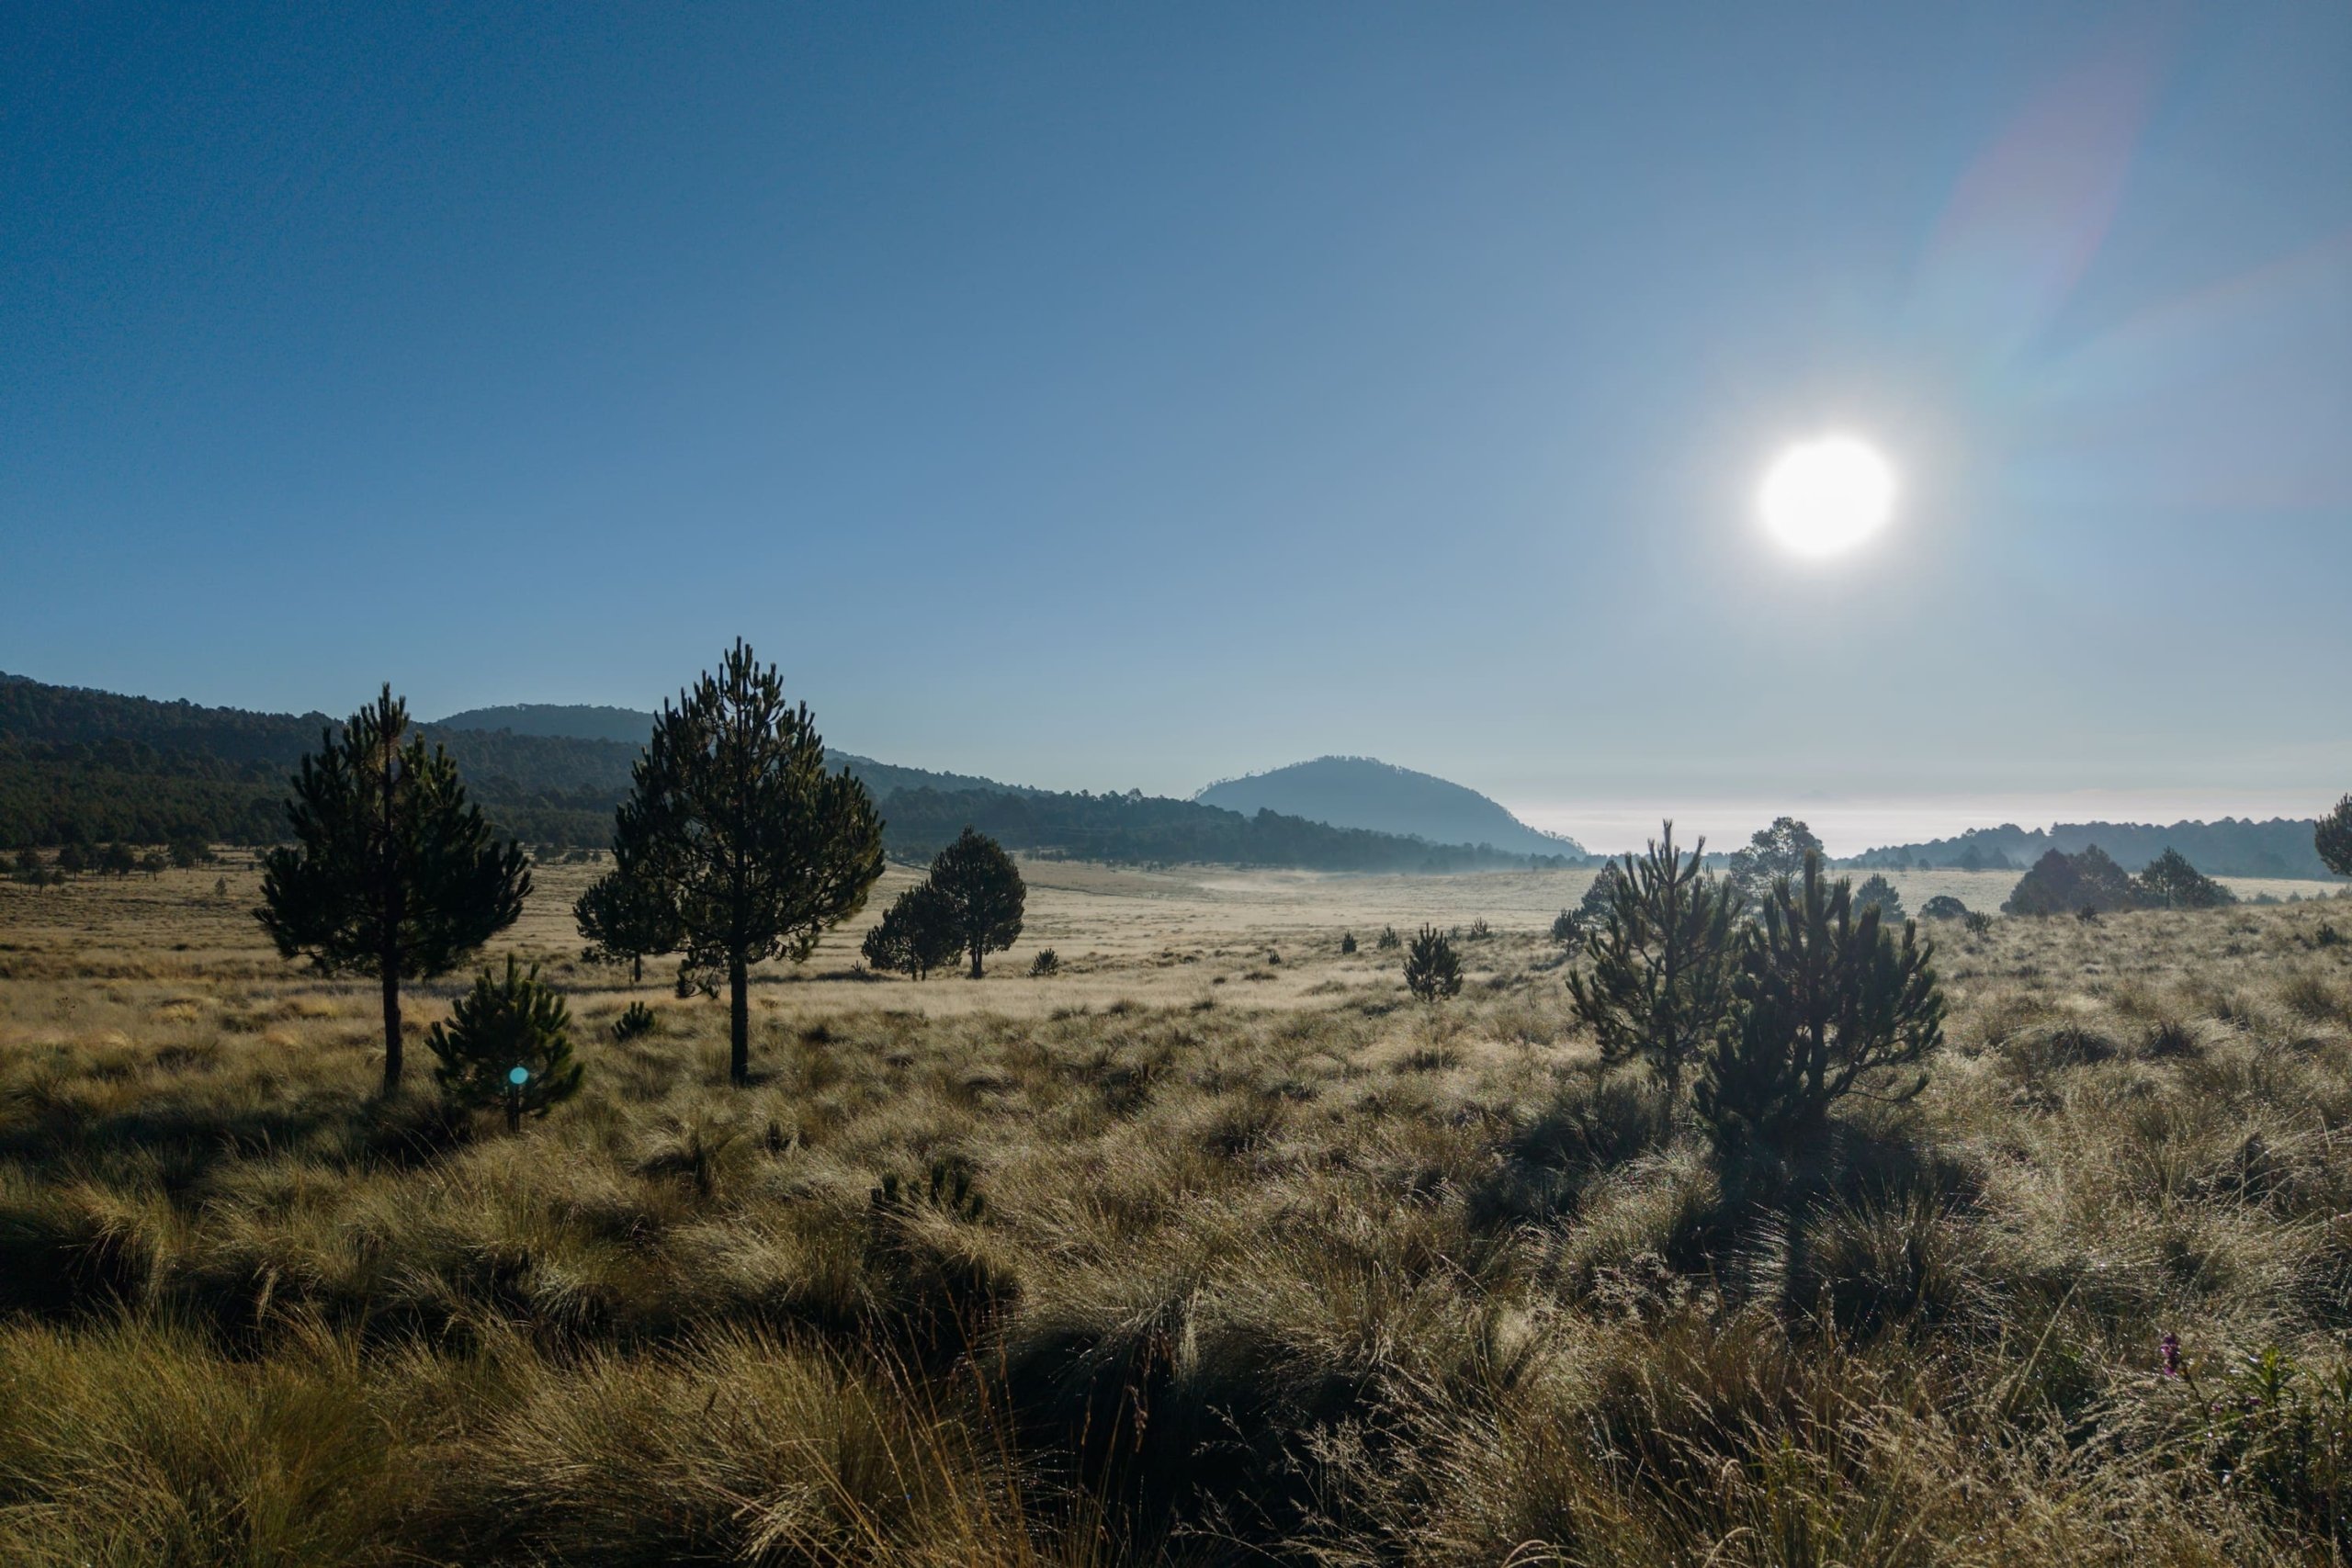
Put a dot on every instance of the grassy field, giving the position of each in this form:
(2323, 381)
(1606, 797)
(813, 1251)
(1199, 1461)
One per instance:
(1215, 1249)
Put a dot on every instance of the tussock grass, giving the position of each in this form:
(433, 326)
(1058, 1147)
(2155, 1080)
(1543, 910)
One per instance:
(1114, 1272)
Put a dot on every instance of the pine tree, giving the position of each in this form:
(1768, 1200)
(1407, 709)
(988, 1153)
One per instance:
(1877, 892)
(2169, 882)
(2332, 837)
(1657, 984)
(506, 1023)
(1432, 969)
(625, 918)
(391, 873)
(985, 891)
(1829, 1004)
(2060, 884)
(916, 934)
(733, 817)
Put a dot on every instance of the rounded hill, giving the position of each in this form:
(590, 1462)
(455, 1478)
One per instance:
(1362, 791)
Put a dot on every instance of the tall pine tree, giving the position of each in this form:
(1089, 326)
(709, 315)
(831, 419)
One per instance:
(734, 821)
(392, 872)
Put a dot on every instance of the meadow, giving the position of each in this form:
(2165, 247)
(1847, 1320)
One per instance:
(1214, 1249)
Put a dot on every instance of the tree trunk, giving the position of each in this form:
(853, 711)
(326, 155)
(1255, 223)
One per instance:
(391, 1027)
(637, 971)
(976, 960)
(739, 993)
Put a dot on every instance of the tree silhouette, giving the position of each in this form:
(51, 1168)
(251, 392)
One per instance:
(2333, 839)
(392, 872)
(732, 816)
(984, 892)
(1771, 852)
(2169, 882)
(916, 934)
(1877, 892)
(626, 917)
(2060, 884)
(1657, 978)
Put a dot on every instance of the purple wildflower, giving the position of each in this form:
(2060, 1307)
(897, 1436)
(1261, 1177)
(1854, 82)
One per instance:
(2168, 1354)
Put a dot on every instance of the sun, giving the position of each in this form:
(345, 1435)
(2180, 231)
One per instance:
(1823, 497)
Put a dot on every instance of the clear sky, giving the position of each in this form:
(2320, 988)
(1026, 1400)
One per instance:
(1124, 395)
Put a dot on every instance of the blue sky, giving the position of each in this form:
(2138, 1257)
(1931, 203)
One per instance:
(1122, 396)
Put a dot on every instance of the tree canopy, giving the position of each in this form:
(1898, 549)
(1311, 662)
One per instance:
(732, 817)
(984, 893)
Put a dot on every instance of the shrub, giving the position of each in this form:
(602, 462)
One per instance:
(2169, 882)
(636, 1021)
(1347, 943)
(1657, 979)
(1943, 907)
(1976, 922)
(1388, 939)
(1046, 965)
(2281, 1430)
(514, 1021)
(1479, 930)
(1432, 969)
(1829, 1005)
(2063, 883)
(1563, 928)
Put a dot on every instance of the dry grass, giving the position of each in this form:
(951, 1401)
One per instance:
(1134, 1265)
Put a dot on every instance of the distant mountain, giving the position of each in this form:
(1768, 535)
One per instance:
(577, 721)
(2231, 847)
(1360, 791)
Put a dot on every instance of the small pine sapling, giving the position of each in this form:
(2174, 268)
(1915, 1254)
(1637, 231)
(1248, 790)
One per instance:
(508, 1023)
(1432, 969)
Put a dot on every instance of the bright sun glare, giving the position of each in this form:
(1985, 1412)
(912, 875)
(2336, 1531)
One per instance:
(1822, 497)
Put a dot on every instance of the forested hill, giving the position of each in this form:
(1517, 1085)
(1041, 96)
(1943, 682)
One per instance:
(89, 766)
(1154, 830)
(2231, 847)
(579, 722)
(574, 721)
(93, 766)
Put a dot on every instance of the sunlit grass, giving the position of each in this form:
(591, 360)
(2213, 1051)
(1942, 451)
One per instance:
(1128, 1264)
